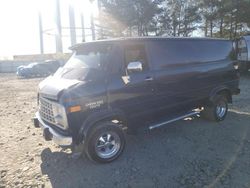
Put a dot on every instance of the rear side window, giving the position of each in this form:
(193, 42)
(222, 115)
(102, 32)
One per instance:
(177, 52)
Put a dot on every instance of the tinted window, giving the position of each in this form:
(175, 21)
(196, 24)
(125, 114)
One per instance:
(116, 65)
(174, 52)
(135, 53)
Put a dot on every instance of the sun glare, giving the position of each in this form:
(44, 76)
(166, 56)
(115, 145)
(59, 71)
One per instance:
(88, 7)
(23, 17)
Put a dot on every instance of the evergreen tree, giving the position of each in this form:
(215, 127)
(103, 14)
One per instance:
(217, 18)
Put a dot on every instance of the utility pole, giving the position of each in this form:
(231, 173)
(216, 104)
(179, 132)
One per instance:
(99, 5)
(92, 22)
(92, 26)
(58, 37)
(72, 25)
(83, 27)
(99, 18)
(40, 31)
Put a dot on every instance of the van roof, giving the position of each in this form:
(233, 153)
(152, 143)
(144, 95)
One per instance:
(114, 40)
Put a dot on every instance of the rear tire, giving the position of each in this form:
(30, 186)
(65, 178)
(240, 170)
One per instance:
(217, 110)
(105, 142)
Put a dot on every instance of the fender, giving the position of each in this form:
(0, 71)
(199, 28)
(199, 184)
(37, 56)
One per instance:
(99, 116)
(219, 89)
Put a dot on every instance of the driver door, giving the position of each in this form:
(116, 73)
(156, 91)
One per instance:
(135, 94)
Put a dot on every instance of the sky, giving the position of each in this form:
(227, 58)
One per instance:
(19, 30)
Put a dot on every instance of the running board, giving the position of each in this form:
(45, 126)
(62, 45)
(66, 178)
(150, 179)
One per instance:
(173, 120)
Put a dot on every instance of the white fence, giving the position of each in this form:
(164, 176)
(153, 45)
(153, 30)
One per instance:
(11, 66)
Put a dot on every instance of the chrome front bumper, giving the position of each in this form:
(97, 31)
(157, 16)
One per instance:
(51, 134)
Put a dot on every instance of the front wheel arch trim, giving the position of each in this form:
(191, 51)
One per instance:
(221, 90)
(95, 118)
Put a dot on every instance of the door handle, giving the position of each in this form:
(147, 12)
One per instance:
(149, 79)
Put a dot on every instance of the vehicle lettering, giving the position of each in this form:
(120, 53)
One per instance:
(95, 104)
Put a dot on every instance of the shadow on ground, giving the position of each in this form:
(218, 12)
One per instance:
(192, 153)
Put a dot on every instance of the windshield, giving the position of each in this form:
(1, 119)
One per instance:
(86, 62)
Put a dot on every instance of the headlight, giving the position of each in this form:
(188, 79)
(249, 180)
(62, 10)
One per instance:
(60, 115)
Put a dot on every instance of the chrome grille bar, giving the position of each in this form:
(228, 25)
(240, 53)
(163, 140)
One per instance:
(46, 110)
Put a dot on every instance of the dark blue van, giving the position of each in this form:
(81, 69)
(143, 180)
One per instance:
(109, 87)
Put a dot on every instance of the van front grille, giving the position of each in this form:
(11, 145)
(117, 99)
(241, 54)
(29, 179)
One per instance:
(46, 110)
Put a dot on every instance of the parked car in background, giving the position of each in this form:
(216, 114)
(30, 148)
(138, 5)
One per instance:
(19, 68)
(107, 86)
(243, 53)
(38, 69)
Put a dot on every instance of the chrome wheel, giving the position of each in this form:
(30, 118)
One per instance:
(221, 109)
(107, 145)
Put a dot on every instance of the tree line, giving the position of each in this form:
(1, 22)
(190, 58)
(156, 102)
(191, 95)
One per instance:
(179, 18)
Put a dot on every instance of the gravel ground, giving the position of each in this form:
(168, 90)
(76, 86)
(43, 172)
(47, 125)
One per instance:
(193, 153)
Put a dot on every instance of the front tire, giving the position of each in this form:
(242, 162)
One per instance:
(105, 142)
(217, 110)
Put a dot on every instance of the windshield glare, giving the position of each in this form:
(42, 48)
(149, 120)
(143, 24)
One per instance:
(89, 57)
(85, 62)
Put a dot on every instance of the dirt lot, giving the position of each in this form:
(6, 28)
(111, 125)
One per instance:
(193, 153)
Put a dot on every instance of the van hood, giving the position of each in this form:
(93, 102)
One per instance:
(52, 86)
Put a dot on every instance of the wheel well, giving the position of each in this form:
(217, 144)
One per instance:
(119, 121)
(227, 93)
(114, 119)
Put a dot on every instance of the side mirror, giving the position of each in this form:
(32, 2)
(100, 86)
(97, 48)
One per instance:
(134, 66)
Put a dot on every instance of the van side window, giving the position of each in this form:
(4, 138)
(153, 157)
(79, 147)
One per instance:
(136, 53)
(180, 52)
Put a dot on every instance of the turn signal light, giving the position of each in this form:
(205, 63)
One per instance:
(75, 108)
